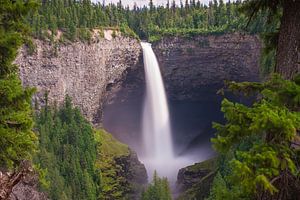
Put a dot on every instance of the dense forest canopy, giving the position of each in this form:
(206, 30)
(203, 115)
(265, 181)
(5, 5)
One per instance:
(148, 22)
(68, 151)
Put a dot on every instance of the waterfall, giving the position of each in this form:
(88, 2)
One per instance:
(157, 136)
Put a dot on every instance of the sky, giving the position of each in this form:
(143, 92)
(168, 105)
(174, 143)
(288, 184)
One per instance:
(145, 2)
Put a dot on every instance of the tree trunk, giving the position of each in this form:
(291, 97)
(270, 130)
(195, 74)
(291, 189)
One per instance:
(288, 50)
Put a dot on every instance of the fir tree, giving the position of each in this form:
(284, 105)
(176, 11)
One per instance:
(269, 166)
(17, 141)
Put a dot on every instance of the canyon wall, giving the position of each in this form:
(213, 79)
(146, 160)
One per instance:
(199, 65)
(89, 73)
(194, 66)
(92, 74)
(193, 69)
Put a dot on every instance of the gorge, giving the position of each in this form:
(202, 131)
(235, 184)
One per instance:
(109, 76)
(189, 101)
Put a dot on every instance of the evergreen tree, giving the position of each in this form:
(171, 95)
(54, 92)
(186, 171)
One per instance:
(158, 190)
(147, 22)
(17, 141)
(68, 152)
(288, 38)
(269, 167)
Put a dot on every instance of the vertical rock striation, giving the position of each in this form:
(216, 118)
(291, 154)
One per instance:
(88, 73)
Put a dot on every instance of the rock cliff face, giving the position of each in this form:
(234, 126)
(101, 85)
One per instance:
(21, 184)
(193, 70)
(88, 73)
(110, 72)
(191, 66)
(93, 73)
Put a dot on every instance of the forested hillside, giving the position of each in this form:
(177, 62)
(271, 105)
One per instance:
(76, 18)
(68, 152)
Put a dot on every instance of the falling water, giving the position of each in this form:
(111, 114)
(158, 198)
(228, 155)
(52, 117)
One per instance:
(156, 120)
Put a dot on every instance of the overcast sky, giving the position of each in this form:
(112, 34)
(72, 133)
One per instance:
(145, 2)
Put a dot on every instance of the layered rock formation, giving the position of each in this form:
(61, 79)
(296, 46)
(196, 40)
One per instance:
(88, 73)
(198, 65)
(93, 73)
(111, 72)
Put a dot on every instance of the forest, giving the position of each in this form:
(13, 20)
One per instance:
(257, 146)
(148, 22)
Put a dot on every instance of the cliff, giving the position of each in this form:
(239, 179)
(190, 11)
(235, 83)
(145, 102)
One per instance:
(86, 72)
(92, 74)
(192, 66)
(110, 71)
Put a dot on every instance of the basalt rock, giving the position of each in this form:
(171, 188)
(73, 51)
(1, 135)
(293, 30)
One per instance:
(21, 184)
(92, 74)
(88, 73)
(199, 65)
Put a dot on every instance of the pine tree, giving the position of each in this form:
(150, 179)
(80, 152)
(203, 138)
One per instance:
(17, 141)
(158, 190)
(68, 152)
(269, 166)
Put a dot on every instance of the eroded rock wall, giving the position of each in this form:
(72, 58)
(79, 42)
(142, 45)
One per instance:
(93, 73)
(88, 73)
(193, 66)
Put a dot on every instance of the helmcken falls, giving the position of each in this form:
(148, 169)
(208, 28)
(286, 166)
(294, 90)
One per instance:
(157, 136)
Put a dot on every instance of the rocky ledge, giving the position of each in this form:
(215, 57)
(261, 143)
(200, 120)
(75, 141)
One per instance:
(194, 182)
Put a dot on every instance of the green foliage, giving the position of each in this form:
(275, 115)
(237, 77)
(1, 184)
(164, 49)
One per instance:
(269, 126)
(67, 149)
(149, 23)
(219, 190)
(128, 32)
(158, 190)
(114, 186)
(84, 34)
(17, 141)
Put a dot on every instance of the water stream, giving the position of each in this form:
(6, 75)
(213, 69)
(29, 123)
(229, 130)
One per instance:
(157, 135)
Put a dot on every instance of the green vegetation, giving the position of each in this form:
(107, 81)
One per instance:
(260, 158)
(149, 23)
(201, 175)
(73, 157)
(67, 151)
(158, 190)
(114, 185)
(259, 144)
(17, 140)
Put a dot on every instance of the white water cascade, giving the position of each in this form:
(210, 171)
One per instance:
(157, 136)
